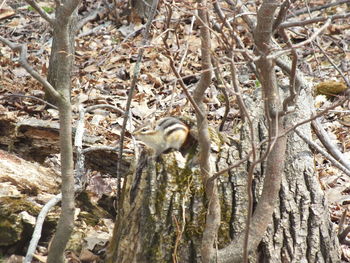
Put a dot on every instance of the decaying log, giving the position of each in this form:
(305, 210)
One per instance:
(35, 140)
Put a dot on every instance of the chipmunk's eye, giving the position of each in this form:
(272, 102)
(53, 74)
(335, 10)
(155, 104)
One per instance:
(144, 129)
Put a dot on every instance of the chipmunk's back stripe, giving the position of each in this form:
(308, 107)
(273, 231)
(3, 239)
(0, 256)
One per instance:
(166, 122)
(176, 128)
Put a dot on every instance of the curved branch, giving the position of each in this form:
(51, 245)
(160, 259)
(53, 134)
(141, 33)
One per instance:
(324, 138)
(318, 148)
(91, 16)
(22, 49)
(41, 12)
(39, 225)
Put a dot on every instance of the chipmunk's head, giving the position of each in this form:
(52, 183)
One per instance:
(147, 134)
(145, 129)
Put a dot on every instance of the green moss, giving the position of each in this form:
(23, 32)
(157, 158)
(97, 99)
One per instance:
(11, 225)
(330, 88)
(257, 84)
(88, 218)
(10, 231)
(15, 205)
(47, 9)
(90, 213)
(221, 97)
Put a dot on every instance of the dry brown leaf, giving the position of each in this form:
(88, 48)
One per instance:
(91, 68)
(6, 11)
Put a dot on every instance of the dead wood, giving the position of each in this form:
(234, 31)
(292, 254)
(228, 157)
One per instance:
(36, 140)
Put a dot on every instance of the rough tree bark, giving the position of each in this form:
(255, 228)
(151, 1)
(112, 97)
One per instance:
(301, 229)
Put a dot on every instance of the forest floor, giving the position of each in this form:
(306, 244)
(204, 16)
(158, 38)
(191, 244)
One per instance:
(106, 55)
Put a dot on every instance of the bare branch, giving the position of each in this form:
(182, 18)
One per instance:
(113, 247)
(343, 235)
(342, 220)
(315, 116)
(317, 8)
(214, 213)
(22, 49)
(38, 227)
(329, 157)
(242, 107)
(183, 86)
(313, 20)
(30, 97)
(133, 83)
(290, 100)
(91, 16)
(324, 138)
(301, 44)
(221, 85)
(347, 81)
(282, 13)
(99, 106)
(41, 12)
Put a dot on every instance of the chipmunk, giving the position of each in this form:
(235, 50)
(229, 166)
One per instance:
(168, 133)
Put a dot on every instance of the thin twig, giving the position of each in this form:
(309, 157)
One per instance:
(319, 149)
(222, 87)
(282, 14)
(41, 12)
(342, 220)
(324, 138)
(316, 8)
(39, 225)
(313, 20)
(301, 44)
(333, 64)
(181, 229)
(177, 71)
(235, 84)
(22, 49)
(98, 106)
(30, 97)
(293, 93)
(183, 86)
(343, 235)
(133, 86)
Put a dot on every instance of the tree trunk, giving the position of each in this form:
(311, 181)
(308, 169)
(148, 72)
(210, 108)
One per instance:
(55, 73)
(302, 231)
(157, 205)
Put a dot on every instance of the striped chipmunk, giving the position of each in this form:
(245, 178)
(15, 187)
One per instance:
(167, 134)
